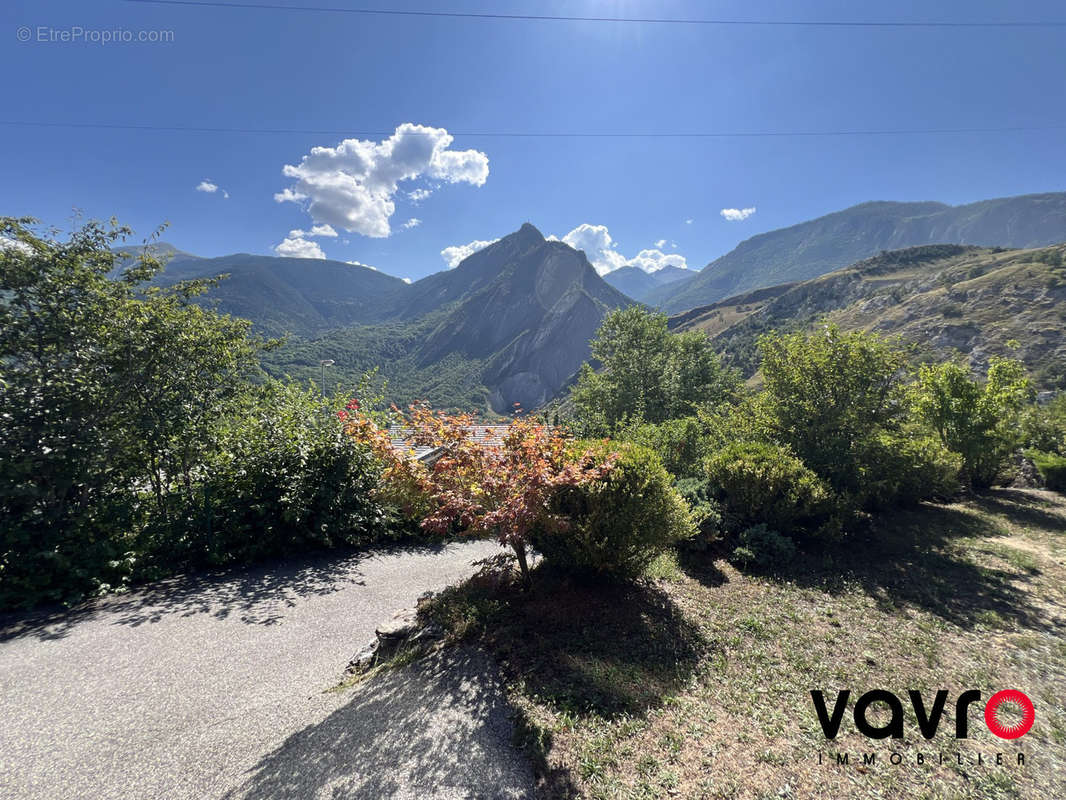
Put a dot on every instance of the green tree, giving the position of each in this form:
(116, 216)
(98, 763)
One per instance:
(979, 420)
(108, 387)
(828, 394)
(645, 373)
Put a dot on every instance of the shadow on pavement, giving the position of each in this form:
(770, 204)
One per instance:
(439, 728)
(256, 595)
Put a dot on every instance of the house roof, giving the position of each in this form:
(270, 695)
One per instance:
(483, 434)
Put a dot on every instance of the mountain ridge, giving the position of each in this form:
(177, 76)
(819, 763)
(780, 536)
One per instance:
(832, 241)
(510, 324)
(945, 299)
(636, 283)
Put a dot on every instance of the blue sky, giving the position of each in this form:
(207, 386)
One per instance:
(264, 69)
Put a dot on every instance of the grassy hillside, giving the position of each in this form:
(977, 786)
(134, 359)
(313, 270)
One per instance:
(696, 684)
(812, 248)
(945, 299)
(302, 296)
(454, 382)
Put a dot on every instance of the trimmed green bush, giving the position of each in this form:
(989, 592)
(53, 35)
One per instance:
(764, 483)
(621, 522)
(762, 548)
(1052, 468)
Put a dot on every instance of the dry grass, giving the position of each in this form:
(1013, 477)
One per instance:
(697, 684)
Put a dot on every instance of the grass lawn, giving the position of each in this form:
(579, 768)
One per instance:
(697, 683)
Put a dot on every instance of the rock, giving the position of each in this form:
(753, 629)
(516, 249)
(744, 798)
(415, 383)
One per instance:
(393, 636)
(402, 625)
(1025, 474)
(427, 633)
(365, 658)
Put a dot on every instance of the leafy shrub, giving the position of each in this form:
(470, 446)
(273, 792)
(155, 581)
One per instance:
(762, 548)
(1044, 427)
(109, 392)
(979, 420)
(480, 488)
(681, 444)
(764, 483)
(646, 373)
(706, 511)
(1052, 468)
(903, 468)
(829, 394)
(285, 478)
(620, 522)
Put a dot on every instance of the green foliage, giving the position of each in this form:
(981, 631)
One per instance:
(1052, 468)
(744, 420)
(452, 382)
(132, 443)
(107, 389)
(682, 444)
(759, 547)
(620, 523)
(977, 420)
(646, 373)
(760, 482)
(285, 478)
(1044, 427)
(905, 467)
(829, 394)
(706, 511)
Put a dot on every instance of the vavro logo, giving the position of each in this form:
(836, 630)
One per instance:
(928, 716)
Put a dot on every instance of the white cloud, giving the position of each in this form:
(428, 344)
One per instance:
(598, 246)
(602, 251)
(296, 246)
(316, 230)
(655, 260)
(414, 222)
(405, 280)
(456, 253)
(736, 214)
(689, 221)
(361, 264)
(210, 187)
(418, 195)
(352, 185)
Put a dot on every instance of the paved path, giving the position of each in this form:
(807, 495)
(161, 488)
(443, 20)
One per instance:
(216, 688)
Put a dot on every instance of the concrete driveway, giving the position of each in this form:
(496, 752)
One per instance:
(219, 687)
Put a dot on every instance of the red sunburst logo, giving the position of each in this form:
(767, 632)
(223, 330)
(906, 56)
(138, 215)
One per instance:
(1012, 730)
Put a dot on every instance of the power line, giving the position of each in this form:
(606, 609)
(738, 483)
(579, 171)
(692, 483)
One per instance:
(639, 20)
(532, 134)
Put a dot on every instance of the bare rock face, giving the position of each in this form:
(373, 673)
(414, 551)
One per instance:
(528, 307)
